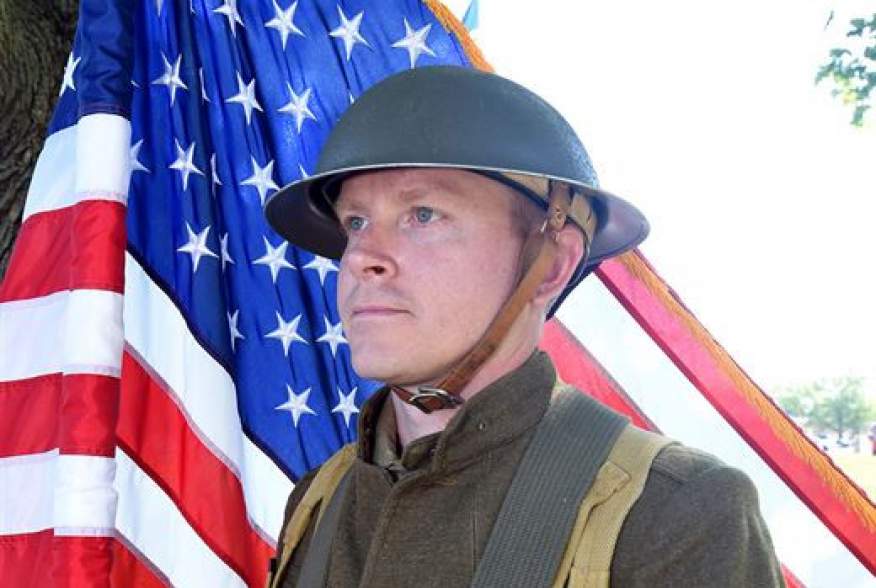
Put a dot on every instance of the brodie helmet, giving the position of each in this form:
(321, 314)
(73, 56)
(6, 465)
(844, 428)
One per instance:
(456, 117)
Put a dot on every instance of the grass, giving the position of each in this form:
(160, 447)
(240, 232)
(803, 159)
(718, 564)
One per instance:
(861, 468)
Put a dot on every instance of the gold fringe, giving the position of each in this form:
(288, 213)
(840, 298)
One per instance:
(841, 487)
(451, 24)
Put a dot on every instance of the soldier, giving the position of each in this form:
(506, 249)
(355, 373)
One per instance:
(464, 209)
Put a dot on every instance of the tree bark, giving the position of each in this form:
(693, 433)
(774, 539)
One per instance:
(35, 39)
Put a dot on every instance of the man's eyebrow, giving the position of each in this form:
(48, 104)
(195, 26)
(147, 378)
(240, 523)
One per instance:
(428, 188)
(347, 206)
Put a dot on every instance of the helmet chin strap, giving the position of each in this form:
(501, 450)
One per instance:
(446, 394)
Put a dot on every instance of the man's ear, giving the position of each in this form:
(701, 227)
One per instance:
(570, 249)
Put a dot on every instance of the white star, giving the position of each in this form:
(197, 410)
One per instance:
(304, 174)
(184, 163)
(346, 405)
(284, 22)
(246, 97)
(134, 158)
(415, 42)
(350, 96)
(333, 335)
(323, 266)
(286, 333)
(261, 179)
(296, 405)
(69, 70)
(197, 246)
(229, 9)
(223, 251)
(232, 328)
(204, 96)
(170, 77)
(348, 30)
(297, 106)
(274, 258)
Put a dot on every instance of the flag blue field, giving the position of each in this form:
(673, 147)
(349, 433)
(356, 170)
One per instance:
(218, 344)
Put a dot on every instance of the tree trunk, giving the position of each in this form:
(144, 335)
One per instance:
(35, 39)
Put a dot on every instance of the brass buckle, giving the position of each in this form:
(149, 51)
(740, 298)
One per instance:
(424, 393)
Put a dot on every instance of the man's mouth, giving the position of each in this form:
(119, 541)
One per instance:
(376, 311)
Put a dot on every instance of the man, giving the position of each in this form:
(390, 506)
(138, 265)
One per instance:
(464, 209)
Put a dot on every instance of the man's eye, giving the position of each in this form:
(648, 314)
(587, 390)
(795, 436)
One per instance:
(355, 223)
(424, 214)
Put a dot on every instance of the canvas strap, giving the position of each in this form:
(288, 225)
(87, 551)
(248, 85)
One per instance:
(531, 532)
(618, 485)
(314, 572)
(317, 496)
(446, 394)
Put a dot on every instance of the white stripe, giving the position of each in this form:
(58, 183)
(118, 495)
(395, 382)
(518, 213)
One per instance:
(87, 161)
(85, 501)
(71, 493)
(76, 331)
(663, 393)
(27, 485)
(148, 520)
(155, 330)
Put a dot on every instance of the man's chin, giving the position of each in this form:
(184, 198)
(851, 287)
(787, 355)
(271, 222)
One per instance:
(391, 369)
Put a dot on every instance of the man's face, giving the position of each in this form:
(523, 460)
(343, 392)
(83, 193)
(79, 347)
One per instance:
(432, 254)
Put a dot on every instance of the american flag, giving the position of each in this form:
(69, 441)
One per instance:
(169, 366)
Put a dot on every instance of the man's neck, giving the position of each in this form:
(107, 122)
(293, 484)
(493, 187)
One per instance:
(412, 423)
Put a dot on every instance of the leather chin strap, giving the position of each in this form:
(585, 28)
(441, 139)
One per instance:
(446, 394)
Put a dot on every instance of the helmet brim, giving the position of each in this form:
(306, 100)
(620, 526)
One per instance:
(302, 213)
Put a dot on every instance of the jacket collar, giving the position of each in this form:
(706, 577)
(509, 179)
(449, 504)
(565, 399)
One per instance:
(499, 413)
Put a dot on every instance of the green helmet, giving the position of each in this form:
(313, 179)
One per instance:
(450, 116)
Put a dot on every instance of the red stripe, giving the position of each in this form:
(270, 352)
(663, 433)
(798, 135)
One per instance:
(25, 559)
(81, 561)
(791, 581)
(75, 412)
(156, 434)
(37, 560)
(89, 409)
(696, 363)
(576, 366)
(131, 568)
(80, 246)
(41, 559)
(29, 415)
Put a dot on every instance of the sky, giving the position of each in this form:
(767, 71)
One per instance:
(760, 194)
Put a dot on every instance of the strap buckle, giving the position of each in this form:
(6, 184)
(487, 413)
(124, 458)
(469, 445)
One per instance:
(425, 396)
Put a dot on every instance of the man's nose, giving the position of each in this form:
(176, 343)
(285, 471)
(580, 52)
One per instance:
(372, 253)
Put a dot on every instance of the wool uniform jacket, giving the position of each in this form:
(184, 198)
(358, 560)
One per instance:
(423, 518)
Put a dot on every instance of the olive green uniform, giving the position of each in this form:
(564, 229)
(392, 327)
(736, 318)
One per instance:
(423, 518)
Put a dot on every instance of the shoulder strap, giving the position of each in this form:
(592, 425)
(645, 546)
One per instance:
(532, 529)
(620, 482)
(319, 494)
(314, 572)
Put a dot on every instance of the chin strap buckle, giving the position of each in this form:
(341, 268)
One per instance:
(430, 399)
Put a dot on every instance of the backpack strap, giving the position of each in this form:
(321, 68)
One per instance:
(319, 493)
(620, 482)
(532, 529)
